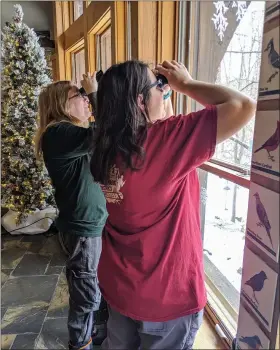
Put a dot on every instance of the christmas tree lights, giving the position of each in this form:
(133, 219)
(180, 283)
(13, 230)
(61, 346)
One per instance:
(26, 186)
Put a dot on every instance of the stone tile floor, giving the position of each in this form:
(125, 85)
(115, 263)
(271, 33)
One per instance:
(34, 301)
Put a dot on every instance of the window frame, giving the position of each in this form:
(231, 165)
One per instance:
(98, 37)
(68, 57)
(92, 36)
(74, 54)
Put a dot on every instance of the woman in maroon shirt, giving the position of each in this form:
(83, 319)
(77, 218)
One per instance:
(151, 267)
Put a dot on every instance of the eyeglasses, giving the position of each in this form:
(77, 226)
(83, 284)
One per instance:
(160, 82)
(79, 94)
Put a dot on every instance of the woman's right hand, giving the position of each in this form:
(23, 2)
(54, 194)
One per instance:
(176, 73)
(89, 83)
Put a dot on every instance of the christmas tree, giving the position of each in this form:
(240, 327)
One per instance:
(26, 186)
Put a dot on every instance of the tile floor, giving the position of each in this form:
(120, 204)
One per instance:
(34, 303)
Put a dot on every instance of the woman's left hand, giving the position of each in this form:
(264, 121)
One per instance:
(89, 83)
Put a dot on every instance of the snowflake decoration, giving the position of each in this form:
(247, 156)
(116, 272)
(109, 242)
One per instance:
(241, 9)
(219, 18)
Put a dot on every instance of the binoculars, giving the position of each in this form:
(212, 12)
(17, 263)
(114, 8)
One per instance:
(99, 74)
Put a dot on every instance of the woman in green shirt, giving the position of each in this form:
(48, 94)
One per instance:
(63, 139)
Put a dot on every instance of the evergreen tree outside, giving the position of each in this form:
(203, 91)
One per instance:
(25, 184)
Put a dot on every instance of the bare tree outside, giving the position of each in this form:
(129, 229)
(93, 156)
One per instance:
(240, 69)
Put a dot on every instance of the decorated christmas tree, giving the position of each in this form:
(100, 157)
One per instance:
(26, 187)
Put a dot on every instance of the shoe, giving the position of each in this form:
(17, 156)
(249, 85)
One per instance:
(88, 346)
(99, 334)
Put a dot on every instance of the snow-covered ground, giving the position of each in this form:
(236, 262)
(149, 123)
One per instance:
(224, 240)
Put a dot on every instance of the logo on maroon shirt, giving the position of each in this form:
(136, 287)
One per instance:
(112, 191)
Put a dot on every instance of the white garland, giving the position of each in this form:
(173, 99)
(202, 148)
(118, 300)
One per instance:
(219, 18)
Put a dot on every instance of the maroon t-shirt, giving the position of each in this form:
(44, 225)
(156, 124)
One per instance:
(151, 266)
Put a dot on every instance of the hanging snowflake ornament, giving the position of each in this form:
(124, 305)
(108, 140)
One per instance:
(241, 9)
(219, 18)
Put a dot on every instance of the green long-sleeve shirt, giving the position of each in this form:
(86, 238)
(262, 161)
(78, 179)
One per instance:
(80, 201)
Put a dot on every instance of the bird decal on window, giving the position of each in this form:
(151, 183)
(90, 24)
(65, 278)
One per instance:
(252, 342)
(264, 222)
(273, 58)
(257, 283)
(272, 143)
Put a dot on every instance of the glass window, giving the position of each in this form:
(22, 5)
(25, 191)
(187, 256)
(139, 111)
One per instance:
(231, 57)
(226, 45)
(104, 53)
(78, 8)
(78, 66)
(224, 207)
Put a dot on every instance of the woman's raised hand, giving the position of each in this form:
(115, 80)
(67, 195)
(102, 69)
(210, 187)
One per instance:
(176, 73)
(89, 83)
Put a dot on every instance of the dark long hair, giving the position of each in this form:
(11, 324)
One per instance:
(121, 126)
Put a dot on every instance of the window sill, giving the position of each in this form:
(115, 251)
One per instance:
(207, 337)
(223, 322)
(230, 175)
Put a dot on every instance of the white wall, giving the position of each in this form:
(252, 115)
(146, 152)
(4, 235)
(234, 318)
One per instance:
(37, 14)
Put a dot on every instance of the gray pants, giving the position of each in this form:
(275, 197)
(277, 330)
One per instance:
(126, 333)
(81, 274)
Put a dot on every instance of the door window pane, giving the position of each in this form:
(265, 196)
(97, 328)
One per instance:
(78, 8)
(103, 52)
(78, 66)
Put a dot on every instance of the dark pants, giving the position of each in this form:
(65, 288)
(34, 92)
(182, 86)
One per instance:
(125, 333)
(81, 274)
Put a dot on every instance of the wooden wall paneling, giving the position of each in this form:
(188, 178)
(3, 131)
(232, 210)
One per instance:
(167, 33)
(85, 5)
(71, 11)
(118, 31)
(59, 39)
(166, 30)
(153, 30)
(144, 31)
(74, 33)
(86, 38)
(154, 34)
(66, 15)
(54, 67)
(134, 30)
(95, 13)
